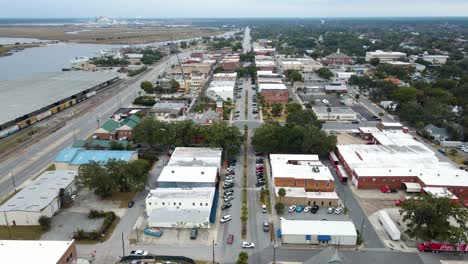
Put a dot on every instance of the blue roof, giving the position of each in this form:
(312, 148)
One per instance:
(79, 156)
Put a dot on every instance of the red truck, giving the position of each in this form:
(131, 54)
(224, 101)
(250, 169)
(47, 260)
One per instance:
(433, 246)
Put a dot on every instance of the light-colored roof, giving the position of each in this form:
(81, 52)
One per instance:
(368, 130)
(26, 95)
(188, 174)
(33, 251)
(310, 227)
(336, 87)
(180, 193)
(196, 157)
(299, 166)
(271, 86)
(40, 192)
(225, 75)
(174, 215)
(385, 53)
(266, 73)
(169, 106)
(334, 110)
(391, 124)
(440, 192)
(79, 156)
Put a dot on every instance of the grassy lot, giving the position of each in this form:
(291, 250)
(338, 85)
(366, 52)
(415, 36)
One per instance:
(268, 116)
(21, 232)
(106, 236)
(458, 158)
(124, 198)
(18, 137)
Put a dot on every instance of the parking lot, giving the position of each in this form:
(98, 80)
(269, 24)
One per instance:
(321, 214)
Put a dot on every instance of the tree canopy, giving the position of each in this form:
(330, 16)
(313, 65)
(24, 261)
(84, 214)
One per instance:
(429, 217)
(325, 73)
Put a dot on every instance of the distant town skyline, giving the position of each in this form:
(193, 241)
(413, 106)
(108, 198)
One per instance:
(241, 8)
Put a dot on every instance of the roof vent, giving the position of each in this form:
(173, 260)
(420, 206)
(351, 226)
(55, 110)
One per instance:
(438, 174)
(202, 172)
(389, 170)
(456, 175)
(172, 171)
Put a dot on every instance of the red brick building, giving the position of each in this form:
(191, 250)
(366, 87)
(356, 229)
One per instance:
(274, 93)
(337, 58)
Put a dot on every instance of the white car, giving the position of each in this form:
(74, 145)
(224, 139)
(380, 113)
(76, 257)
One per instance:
(139, 252)
(338, 210)
(330, 210)
(225, 218)
(291, 208)
(246, 244)
(307, 209)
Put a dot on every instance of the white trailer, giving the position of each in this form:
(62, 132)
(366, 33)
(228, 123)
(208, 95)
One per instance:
(389, 225)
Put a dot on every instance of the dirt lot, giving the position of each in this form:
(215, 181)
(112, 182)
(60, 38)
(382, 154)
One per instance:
(347, 139)
(113, 35)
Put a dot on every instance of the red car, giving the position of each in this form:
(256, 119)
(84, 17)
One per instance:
(230, 239)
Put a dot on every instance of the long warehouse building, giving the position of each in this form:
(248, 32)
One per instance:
(26, 101)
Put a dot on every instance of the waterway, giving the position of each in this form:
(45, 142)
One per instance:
(6, 41)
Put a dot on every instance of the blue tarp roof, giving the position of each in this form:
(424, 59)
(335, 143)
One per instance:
(79, 156)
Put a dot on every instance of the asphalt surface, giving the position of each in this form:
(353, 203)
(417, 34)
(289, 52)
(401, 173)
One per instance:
(39, 156)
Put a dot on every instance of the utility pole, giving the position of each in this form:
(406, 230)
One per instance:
(8, 226)
(274, 253)
(123, 246)
(213, 251)
(13, 179)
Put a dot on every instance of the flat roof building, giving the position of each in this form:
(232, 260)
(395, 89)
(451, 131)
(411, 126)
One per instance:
(39, 198)
(38, 251)
(318, 232)
(169, 109)
(336, 113)
(187, 176)
(384, 56)
(196, 157)
(73, 158)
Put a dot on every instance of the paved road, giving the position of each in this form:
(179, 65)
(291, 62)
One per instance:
(247, 41)
(37, 157)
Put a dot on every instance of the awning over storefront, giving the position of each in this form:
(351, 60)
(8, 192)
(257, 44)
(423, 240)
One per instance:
(412, 187)
(323, 238)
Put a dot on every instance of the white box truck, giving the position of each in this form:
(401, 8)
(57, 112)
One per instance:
(389, 225)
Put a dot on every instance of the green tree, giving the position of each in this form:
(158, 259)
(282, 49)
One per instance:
(279, 207)
(147, 86)
(150, 131)
(405, 94)
(374, 61)
(276, 109)
(325, 73)
(95, 177)
(303, 117)
(45, 222)
(293, 76)
(175, 85)
(292, 107)
(218, 69)
(429, 217)
(183, 45)
(221, 135)
(181, 133)
(243, 258)
(281, 193)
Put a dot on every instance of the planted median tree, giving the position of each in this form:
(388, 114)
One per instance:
(428, 217)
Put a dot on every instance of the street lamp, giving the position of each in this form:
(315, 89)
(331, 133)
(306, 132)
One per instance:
(329, 111)
(213, 251)
(274, 253)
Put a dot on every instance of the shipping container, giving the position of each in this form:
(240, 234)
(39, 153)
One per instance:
(434, 246)
(43, 115)
(8, 131)
(390, 228)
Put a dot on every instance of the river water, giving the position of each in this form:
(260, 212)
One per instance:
(52, 57)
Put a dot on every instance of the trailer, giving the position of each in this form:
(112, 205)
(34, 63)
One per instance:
(434, 246)
(390, 228)
(342, 174)
(153, 231)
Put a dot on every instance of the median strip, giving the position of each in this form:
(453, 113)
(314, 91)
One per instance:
(245, 211)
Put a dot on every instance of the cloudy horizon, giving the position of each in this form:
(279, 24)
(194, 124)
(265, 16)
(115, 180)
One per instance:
(237, 9)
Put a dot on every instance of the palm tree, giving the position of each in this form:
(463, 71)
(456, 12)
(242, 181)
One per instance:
(281, 193)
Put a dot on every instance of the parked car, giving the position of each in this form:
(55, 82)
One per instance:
(228, 198)
(291, 208)
(247, 244)
(314, 209)
(330, 210)
(259, 184)
(139, 252)
(131, 204)
(193, 233)
(264, 209)
(260, 160)
(299, 208)
(225, 206)
(266, 226)
(338, 210)
(307, 209)
(230, 191)
(230, 239)
(355, 122)
(225, 218)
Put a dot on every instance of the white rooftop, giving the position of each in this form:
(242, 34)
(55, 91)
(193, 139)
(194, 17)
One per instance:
(271, 86)
(179, 193)
(440, 192)
(368, 130)
(188, 174)
(267, 73)
(310, 227)
(196, 157)
(380, 52)
(299, 166)
(33, 251)
(230, 75)
(163, 216)
(40, 192)
(391, 124)
(398, 138)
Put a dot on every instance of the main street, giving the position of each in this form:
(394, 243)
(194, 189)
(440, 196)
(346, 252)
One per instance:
(38, 156)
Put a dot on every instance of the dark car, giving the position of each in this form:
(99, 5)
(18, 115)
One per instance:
(260, 160)
(258, 184)
(355, 122)
(228, 186)
(131, 204)
(258, 154)
(314, 209)
(193, 233)
(226, 206)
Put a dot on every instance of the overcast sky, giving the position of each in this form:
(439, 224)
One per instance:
(228, 8)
